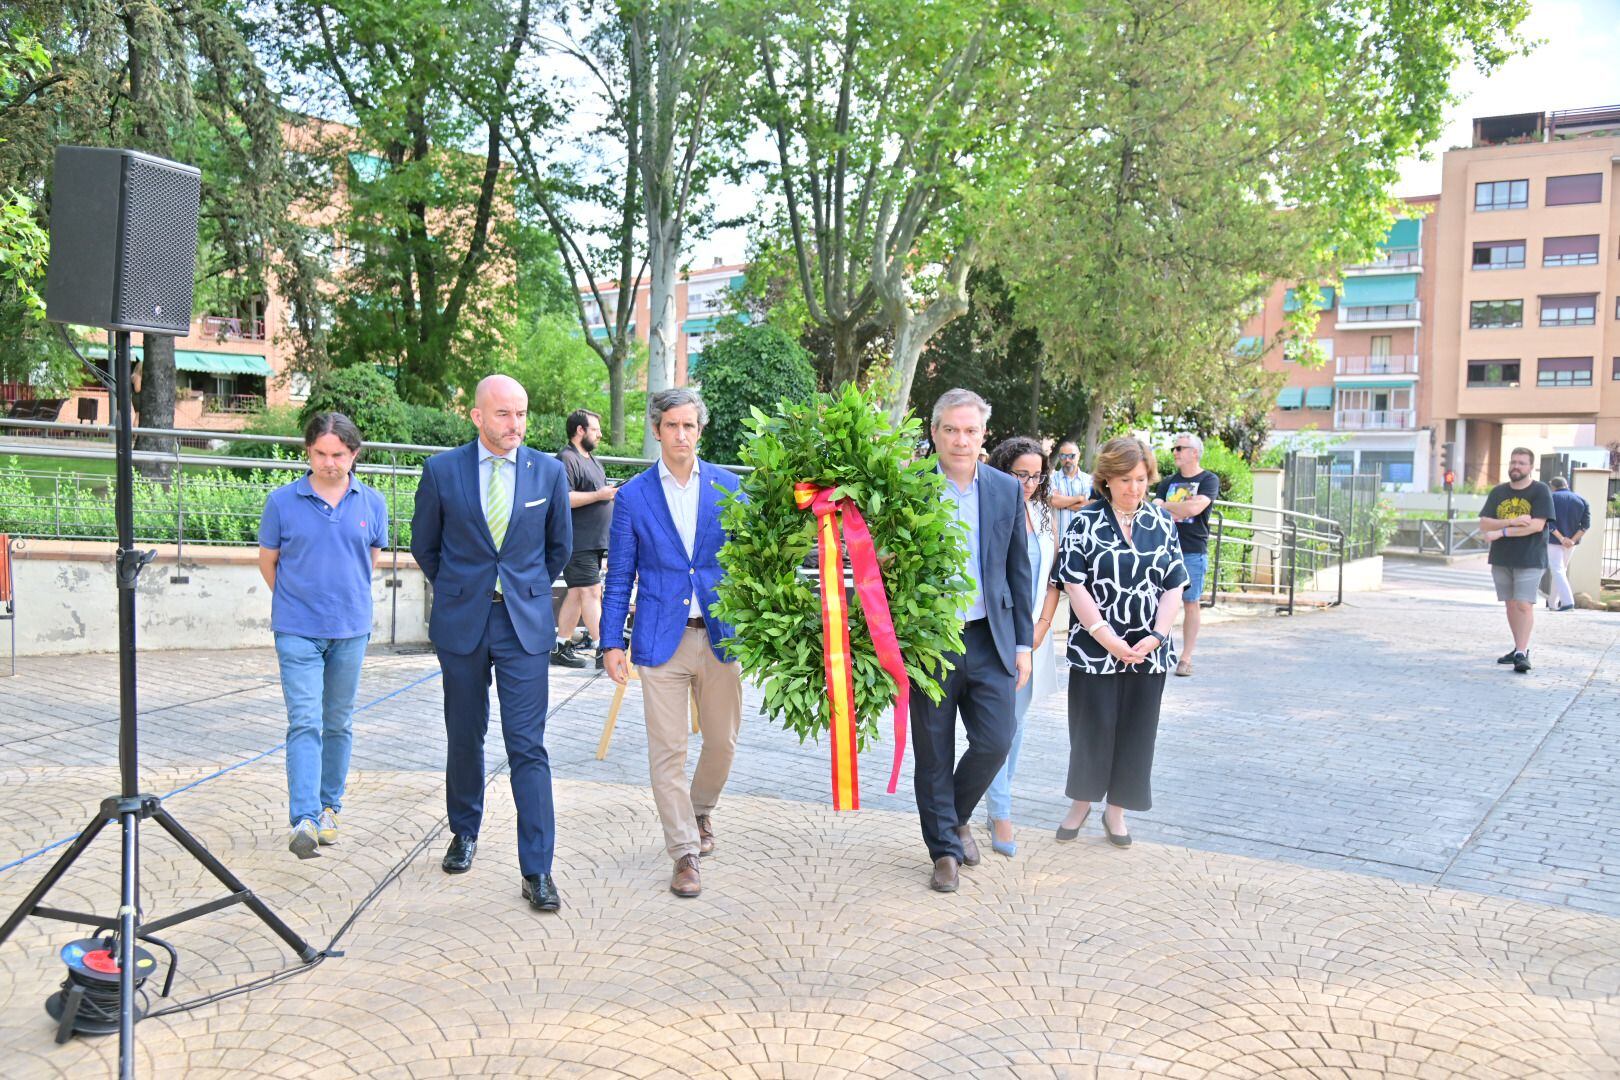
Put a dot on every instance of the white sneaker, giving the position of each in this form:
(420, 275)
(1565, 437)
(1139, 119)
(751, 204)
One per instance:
(304, 842)
(326, 827)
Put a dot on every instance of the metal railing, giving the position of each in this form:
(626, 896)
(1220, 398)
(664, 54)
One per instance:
(222, 328)
(239, 404)
(1375, 365)
(1279, 556)
(1375, 419)
(1392, 257)
(1610, 571)
(1378, 313)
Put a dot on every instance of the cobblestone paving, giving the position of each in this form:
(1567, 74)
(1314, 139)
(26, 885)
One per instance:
(1373, 852)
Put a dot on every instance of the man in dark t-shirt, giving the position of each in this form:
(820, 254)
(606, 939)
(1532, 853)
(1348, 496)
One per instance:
(1187, 494)
(1512, 521)
(591, 499)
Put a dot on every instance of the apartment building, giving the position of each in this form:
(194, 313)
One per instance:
(702, 300)
(1528, 288)
(1372, 397)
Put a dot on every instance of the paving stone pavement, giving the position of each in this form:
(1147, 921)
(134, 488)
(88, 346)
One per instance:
(1373, 852)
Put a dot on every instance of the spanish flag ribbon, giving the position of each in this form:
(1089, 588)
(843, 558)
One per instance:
(835, 634)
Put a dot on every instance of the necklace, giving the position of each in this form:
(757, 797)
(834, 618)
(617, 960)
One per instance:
(1126, 521)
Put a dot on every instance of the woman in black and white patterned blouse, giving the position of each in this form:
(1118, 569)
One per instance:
(1121, 566)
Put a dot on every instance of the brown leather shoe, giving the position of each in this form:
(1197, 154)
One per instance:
(944, 876)
(970, 846)
(705, 835)
(685, 882)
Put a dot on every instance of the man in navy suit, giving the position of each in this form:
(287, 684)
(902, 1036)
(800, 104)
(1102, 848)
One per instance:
(665, 541)
(491, 531)
(998, 630)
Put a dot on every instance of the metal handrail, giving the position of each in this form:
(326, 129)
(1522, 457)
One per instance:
(1288, 526)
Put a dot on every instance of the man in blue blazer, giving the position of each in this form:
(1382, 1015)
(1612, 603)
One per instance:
(491, 531)
(998, 629)
(665, 541)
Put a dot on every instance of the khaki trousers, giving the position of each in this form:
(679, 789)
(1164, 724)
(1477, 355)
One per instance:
(717, 689)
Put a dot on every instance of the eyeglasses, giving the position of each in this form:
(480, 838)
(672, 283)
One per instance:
(1026, 477)
(1183, 447)
(1067, 457)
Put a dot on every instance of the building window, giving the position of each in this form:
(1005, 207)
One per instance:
(1617, 369)
(1569, 310)
(1378, 313)
(1484, 374)
(1392, 466)
(1569, 190)
(1499, 255)
(1495, 314)
(1502, 195)
(1569, 251)
(1564, 371)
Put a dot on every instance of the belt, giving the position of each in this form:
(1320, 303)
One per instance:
(694, 624)
(976, 622)
(495, 597)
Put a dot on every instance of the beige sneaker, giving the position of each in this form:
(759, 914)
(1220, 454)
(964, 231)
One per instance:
(303, 843)
(326, 827)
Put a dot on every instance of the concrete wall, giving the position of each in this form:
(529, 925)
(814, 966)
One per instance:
(1586, 562)
(67, 600)
(1360, 575)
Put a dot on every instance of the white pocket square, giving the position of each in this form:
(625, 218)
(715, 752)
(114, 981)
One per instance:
(536, 502)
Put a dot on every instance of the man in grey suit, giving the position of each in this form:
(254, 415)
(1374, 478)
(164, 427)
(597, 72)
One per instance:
(997, 633)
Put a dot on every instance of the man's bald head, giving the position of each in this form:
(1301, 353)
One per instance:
(501, 413)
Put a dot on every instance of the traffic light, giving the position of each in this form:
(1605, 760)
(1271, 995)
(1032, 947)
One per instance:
(1448, 453)
(1449, 477)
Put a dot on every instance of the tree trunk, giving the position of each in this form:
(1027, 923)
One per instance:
(1035, 401)
(663, 331)
(616, 392)
(1094, 423)
(155, 402)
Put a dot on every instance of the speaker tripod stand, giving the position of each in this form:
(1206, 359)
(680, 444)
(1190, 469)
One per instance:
(130, 807)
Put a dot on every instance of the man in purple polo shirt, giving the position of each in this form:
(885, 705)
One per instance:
(319, 538)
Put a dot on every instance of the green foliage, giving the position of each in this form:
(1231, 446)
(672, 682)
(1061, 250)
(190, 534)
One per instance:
(366, 396)
(555, 365)
(274, 420)
(843, 441)
(431, 426)
(751, 367)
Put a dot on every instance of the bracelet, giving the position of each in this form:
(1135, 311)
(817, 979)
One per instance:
(1092, 629)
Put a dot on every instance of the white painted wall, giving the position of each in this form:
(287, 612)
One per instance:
(67, 600)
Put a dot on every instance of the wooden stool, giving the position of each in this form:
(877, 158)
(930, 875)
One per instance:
(613, 712)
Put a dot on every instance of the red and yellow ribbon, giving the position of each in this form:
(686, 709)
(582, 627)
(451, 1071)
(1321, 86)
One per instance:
(840, 663)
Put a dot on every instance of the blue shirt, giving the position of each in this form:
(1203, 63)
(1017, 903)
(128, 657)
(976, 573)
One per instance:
(1064, 484)
(1571, 514)
(323, 577)
(966, 505)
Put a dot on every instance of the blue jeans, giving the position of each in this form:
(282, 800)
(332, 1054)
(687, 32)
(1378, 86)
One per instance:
(999, 798)
(319, 678)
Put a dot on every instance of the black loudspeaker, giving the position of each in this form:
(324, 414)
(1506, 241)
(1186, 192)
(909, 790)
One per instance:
(123, 240)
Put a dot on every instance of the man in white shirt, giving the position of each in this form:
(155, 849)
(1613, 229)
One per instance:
(1071, 488)
(665, 543)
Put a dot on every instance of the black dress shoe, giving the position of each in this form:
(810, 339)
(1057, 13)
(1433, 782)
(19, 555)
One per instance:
(540, 892)
(970, 846)
(458, 860)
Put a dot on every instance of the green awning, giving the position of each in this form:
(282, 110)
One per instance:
(216, 363)
(210, 363)
(1370, 291)
(1373, 384)
(1405, 233)
(1319, 397)
(1291, 301)
(1291, 397)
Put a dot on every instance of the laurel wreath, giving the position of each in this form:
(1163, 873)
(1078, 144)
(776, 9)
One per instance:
(769, 592)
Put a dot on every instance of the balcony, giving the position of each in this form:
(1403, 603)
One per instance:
(1400, 260)
(1375, 419)
(221, 328)
(1380, 316)
(1376, 365)
(233, 404)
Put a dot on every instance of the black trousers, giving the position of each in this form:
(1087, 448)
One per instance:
(980, 689)
(1113, 724)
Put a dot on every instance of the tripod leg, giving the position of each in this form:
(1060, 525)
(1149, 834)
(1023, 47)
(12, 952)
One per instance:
(127, 901)
(230, 881)
(26, 908)
(71, 1000)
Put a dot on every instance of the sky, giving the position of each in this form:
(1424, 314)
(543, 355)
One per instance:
(1575, 65)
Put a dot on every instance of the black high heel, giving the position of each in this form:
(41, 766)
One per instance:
(1066, 835)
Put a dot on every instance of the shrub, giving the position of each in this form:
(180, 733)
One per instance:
(753, 367)
(275, 420)
(1237, 479)
(366, 396)
(438, 427)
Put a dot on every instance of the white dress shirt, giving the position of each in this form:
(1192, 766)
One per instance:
(683, 507)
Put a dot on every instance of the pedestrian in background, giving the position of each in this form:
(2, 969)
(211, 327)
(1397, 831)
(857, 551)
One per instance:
(319, 538)
(1121, 566)
(1512, 521)
(1572, 516)
(590, 498)
(1022, 459)
(1187, 495)
(1070, 485)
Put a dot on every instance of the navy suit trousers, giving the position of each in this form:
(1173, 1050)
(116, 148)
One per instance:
(979, 688)
(522, 681)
